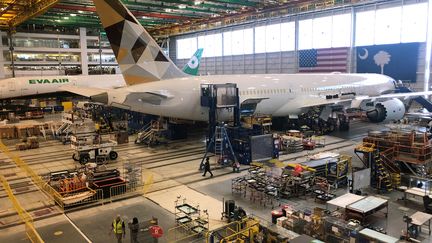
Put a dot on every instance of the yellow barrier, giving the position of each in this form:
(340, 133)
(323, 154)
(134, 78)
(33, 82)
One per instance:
(251, 228)
(31, 232)
(37, 180)
(236, 230)
(115, 191)
(148, 183)
(181, 234)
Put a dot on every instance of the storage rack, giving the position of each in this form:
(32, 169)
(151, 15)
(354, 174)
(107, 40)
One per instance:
(132, 173)
(193, 221)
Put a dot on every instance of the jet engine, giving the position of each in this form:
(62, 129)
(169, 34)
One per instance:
(388, 110)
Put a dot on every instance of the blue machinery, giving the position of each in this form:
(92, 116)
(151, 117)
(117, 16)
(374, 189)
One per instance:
(223, 101)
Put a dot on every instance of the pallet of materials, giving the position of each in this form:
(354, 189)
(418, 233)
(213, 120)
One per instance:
(27, 130)
(8, 131)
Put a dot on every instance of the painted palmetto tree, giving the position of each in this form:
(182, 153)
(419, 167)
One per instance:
(381, 59)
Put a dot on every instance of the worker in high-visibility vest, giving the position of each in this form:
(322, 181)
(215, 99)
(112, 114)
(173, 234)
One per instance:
(118, 227)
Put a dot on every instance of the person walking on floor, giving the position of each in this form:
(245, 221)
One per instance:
(207, 167)
(134, 229)
(118, 227)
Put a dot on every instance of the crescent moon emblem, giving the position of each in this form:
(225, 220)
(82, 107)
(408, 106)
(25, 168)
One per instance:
(365, 55)
(193, 62)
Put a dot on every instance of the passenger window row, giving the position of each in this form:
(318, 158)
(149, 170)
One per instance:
(264, 91)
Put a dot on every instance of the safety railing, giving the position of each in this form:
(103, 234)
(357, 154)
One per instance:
(128, 189)
(387, 157)
(241, 229)
(36, 179)
(415, 155)
(182, 234)
(89, 196)
(366, 147)
(148, 182)
(124, 190)
(25, 217)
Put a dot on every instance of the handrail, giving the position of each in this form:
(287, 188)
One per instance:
(31, 232)
(387, 162)
(37, 180)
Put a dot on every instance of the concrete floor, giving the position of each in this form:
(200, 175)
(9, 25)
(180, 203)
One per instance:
(174, 168)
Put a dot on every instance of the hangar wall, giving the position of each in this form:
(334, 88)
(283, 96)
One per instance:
(285, 61)
(56, 53)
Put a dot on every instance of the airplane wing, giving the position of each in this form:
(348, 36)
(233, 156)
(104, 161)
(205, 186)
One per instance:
(101, 95)
(83, 91)
(151, 97)
(396, 95)
(316, 102)
(355, 101)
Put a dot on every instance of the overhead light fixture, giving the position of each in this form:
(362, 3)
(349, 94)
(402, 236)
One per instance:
(168, 10)
(57, 20)
(144, 17)
(66, 17)
(73, 15)
(181, 6)
(197, 2)
(79, 11)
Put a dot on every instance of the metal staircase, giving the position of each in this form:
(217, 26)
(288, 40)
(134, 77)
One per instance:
(221, 147)
(65, 126)
(380, 175)
(151, 134)
(219, 141)
(385, 174)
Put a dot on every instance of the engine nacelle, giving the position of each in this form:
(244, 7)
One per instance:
(389, 110)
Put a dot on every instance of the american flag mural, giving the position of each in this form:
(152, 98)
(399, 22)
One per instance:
(323, 60)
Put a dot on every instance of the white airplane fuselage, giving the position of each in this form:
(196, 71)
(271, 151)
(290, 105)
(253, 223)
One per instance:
(36, 85)
(283, 94)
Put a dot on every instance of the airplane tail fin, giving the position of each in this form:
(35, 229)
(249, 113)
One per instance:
(139, 57)
(193, 64)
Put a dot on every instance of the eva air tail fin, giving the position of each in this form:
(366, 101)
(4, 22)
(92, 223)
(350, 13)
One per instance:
(192, 67)
(139, 57)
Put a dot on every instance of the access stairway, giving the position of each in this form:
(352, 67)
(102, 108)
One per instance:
(385, 174)
(381, 178)
(420, 99)
(151, 134)
(63, 128)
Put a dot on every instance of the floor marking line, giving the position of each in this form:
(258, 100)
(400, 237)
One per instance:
(76, 227)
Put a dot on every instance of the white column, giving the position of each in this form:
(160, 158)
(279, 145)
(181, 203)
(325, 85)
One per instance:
(428, 49)
(83, 46)
(2, 70)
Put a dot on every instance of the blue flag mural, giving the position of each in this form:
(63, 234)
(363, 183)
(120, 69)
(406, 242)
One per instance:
(398, 61)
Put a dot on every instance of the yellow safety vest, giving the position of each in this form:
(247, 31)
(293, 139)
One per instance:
(118, 227)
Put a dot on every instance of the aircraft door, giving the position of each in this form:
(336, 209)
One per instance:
(11, 87)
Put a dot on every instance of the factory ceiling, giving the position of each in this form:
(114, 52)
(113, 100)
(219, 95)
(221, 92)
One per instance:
(162, 18)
